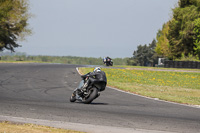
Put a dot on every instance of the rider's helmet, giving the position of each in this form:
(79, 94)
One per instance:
(97, 69)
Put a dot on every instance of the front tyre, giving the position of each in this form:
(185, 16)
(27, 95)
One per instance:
(93, 92)
(73, 98)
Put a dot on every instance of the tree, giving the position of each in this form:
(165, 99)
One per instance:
(197, 37)
(144, 55)
(152, 56)
(181, 28)
(13, 23)
(162, 46)
(180, 37)
(185, 3)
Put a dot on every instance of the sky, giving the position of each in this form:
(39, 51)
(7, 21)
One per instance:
(94, 28)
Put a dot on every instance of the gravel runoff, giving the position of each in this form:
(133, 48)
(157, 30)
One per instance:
(77, 126)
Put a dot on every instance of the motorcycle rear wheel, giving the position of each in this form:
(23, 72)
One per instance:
(111, 63)
(93, 94)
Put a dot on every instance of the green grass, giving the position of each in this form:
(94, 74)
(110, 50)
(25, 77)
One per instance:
(7, 127)
(144, 67)
(181, 87)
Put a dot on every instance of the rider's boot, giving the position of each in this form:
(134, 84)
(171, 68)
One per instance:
(78, 94)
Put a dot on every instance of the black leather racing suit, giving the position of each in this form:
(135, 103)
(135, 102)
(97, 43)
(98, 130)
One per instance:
(96, 77)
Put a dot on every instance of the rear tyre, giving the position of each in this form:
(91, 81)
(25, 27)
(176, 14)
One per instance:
(111, 63)
(93, 94)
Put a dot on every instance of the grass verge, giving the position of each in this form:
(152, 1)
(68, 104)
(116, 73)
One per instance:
(180, 87)
(8, 127)
(155, 68)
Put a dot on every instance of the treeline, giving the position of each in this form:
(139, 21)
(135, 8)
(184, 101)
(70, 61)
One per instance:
(145, 55)
(179, 38)
(60, 59)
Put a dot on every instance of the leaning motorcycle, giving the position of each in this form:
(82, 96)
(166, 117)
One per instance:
(109, 62)
(87, 95)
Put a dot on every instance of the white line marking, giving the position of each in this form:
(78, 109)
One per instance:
(156, 99)
(78, 71)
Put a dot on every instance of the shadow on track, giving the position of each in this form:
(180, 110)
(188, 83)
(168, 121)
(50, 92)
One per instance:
(99, 104)
(93, 103)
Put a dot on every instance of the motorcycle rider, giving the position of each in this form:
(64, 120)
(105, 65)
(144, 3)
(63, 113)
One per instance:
(105, 59)
(96, 76)
(108, 58)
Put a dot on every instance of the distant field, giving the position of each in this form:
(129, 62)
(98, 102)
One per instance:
(181, 87)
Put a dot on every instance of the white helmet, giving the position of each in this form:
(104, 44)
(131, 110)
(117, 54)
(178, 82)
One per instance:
(97, 69)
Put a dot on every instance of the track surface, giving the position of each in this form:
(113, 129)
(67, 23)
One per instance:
(42, 91)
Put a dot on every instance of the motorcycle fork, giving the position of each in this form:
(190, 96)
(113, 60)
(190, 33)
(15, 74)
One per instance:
(86, 84)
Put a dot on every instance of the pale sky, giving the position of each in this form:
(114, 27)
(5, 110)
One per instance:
(94, 28)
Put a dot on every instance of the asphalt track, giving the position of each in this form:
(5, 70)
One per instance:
(39, 93)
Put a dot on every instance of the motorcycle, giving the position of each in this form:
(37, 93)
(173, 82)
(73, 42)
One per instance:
(87, 95)
(109, 62)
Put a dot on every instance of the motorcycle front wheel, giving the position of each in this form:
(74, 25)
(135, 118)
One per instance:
(73, 97)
